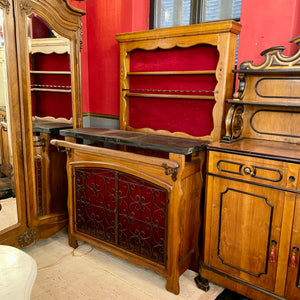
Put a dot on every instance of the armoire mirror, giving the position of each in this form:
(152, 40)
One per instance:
(8, 207)
(46, 96)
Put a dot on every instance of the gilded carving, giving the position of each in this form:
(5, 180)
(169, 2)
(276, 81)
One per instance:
(25, 7)
(27, 238)
(6, 5)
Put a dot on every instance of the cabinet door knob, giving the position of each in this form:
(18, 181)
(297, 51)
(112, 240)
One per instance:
(248, 171)
(272, 257)
(293, 258)
(291, 178)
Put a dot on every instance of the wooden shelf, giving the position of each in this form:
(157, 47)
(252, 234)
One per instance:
(282, 104)
(160, 73)
(51, 72)
(51, 90)
(269, 71)
(171, 96)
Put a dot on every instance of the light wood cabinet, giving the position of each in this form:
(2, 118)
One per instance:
(142, 208)
(251, 203)
(141, 199)
(51, 184)
(251, 234)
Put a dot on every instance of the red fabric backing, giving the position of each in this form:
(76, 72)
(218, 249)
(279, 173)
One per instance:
(191, 116)
(200, 57)
(51, 103)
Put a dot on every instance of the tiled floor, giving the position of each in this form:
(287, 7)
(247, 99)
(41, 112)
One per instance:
(90, 274)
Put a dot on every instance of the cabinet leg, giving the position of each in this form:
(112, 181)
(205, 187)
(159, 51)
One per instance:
(173, 285)
(202, 283)
(73, 242)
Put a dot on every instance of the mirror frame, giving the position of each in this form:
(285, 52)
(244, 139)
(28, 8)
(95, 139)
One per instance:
(14, 234)
(66, 21)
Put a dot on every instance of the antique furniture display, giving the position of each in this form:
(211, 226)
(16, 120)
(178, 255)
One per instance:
(136, 191)
(252, 204)
(43, 57)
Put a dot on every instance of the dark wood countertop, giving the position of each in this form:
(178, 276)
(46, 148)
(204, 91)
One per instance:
(49, 126)
(260, 148)
(176, 145)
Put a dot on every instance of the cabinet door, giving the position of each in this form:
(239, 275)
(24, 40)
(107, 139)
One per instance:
(292, 291)
(123, 210)
(244, 230)
(51, 178)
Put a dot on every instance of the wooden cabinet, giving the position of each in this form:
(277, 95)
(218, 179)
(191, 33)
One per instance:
(251, 235)
(184, 71)
(136, 192)
(51, 184)
(145, 208)
(250, 206)
(41, 193)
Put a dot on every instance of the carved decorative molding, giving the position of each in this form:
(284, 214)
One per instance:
(234, 122)
(27, 238)
(275, 59)
(25, 7)
(5, 4)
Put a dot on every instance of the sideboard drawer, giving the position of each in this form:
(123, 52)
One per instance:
(254, 169)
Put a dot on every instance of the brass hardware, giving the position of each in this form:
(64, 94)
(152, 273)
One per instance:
(169, 171)
(248, 171)
(293, 259)
(67, 150)
(291, 178)
(272, 257)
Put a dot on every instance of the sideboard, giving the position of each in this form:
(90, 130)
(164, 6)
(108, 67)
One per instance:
(136, 192)
(252, 207)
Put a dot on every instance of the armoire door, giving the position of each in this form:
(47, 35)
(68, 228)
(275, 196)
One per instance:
(48, 42)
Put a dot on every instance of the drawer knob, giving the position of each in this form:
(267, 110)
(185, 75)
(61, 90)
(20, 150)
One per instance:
(248, 171)
(291, 178)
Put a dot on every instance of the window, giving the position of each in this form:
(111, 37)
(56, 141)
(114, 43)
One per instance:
(169, 13)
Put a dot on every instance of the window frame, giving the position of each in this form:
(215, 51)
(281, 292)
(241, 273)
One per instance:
(195, 16)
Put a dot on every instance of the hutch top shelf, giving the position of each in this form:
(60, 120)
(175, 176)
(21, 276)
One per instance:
(179, 78)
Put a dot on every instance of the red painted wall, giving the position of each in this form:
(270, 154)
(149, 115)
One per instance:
(104, 20)
(265, 24)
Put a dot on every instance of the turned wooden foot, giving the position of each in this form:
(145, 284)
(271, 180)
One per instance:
(73, 242)
(202, 283)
